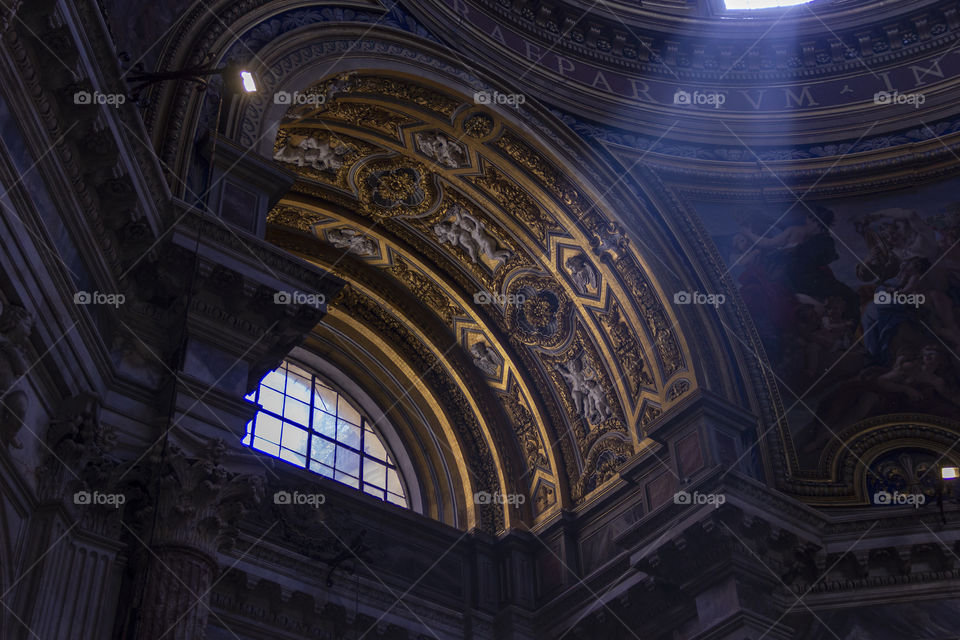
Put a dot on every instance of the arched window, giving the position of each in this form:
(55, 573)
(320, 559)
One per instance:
(306, 422)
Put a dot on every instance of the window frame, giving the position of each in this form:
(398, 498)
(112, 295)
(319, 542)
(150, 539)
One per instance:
(367, 428)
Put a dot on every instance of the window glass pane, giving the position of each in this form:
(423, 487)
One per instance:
(322, 450)
(374, 473)
(266, 447)
(299, 388)
(374, 491)
(348, 461)
(346, 479)
(324, 423)
(271, 400)
(295, 458)
(348, 434)
(393, 482)
(252, 396)
(274, 380)
(326, 398)
(294, 438)
(347, 412)
(372, 445)
(268, 428)
(396, 500)
(296, 411)
(322, 469)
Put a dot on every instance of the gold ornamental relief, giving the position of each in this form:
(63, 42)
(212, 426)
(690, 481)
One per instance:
(526, 429)
(427, 291)
(542, 313)
(516, 202)
(365, 116)
(398, 186)
(629, 353)
(405, 91)
(553, 180)
(295, 217)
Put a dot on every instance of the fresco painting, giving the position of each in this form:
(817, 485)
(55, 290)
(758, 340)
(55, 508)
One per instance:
(856, 302)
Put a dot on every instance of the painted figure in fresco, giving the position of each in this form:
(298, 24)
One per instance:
(920, 380)
(786, 282)
(465, 231)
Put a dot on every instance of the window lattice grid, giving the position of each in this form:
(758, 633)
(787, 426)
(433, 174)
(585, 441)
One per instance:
(306, 422)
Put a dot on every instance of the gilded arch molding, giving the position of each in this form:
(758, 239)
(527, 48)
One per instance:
(573, 396)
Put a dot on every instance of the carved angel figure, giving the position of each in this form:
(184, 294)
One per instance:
(589, 400)
(485, 358)
(311, 152)
(465, 231)
(442, 149)
(16, 323)
(353, 241)
(581, 272)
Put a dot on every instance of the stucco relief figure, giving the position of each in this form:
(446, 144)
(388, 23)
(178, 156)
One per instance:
(589, 400)
(465, 231)
(442, 149)
(485, 358)
(310, 152)
(353, 241)
(15, 327)
(582, 273)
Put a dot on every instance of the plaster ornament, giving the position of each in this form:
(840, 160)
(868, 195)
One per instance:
(589, 400)
(465, 231)
(313, 153)
(353, 241)
(582, 273)
(442, 149)
(485, 358)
